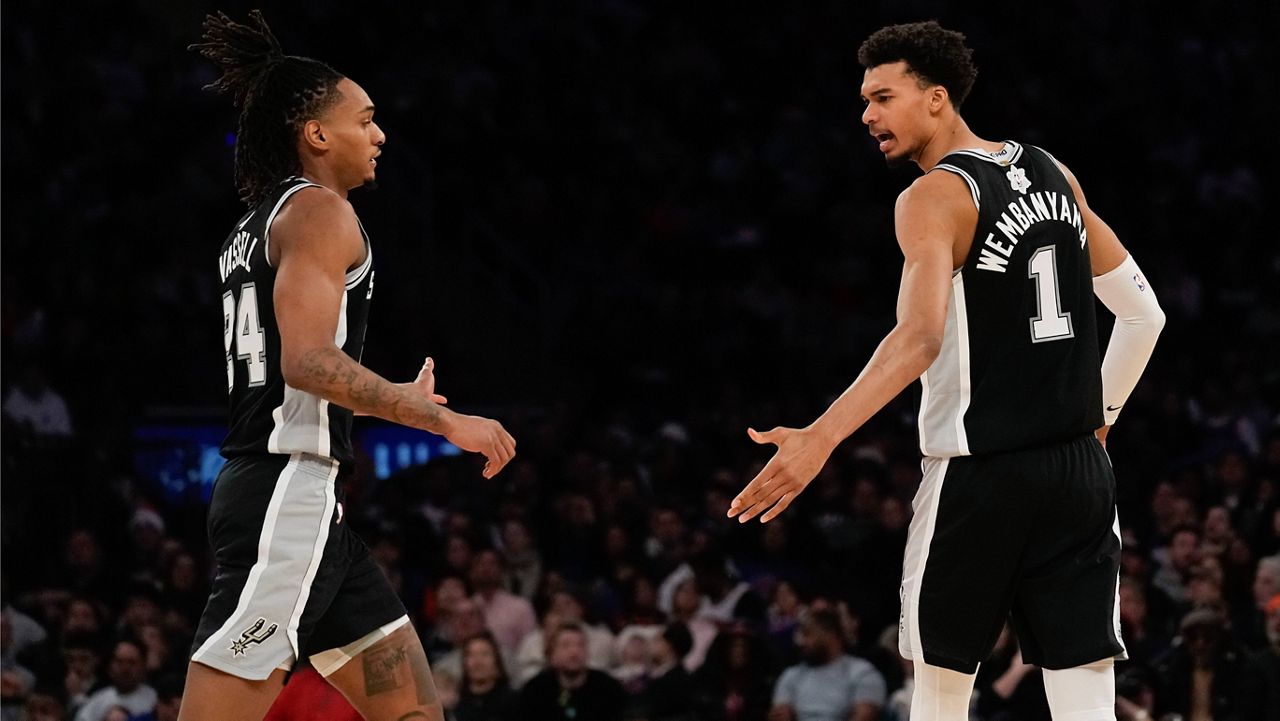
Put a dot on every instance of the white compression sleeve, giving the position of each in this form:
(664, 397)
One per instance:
(1127, 294)
(940, 693)
(1083, 693)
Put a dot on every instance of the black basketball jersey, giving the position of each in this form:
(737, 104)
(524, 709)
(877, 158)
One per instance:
(1019, 364)
(267, 415)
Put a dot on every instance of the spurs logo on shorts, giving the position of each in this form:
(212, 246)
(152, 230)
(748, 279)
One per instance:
(252, 635)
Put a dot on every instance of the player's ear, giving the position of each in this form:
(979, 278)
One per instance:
(938, 99)
(313, 135)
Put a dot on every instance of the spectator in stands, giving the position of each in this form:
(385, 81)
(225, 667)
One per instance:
(568, 688)
(82, 657)
(31, 403)
(1205, 676)
(484, 693)
(828, 685)
(509, 617)
(669, 696)
(1177, 562)
(563, 607)
(522, 559)
(127, 689)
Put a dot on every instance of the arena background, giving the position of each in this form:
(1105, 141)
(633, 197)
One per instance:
(627, 230)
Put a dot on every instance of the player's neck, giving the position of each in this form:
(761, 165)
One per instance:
(951, 137)
(321, 175)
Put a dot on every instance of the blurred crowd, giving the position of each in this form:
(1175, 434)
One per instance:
(629, 231)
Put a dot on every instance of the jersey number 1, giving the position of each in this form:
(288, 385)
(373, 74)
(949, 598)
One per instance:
(240, 325)
(1050, 322)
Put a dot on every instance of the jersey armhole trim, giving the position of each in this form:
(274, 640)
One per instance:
(271, 217)
(968, 179)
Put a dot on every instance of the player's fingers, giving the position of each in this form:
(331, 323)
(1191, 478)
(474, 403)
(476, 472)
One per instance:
(780, 506)
(748, 494)
(438, 399)
(771, 436)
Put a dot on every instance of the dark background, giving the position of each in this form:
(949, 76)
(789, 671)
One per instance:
(628, 230)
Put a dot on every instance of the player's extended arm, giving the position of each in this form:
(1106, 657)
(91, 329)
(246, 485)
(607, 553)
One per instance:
(929, 216)
(314, 240)
(1121, 286)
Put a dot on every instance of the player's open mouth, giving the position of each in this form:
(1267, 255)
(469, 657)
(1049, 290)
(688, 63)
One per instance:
(884, 139)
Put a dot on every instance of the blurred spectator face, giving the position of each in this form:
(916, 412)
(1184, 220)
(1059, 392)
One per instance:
(1204, 588)
(81, 616)
(516, 539)
(818, 645)
(775, 537)
(739, 653)
(156, 645)
(480, 660)
(167, 708)
(466, 620)
(616, 544)
(1273, 622)
(82, 551)
(183, 572)
(457, 553)
(567, 607)
(1133, 605)
(644, 595)
(686, 601)
(785, 600)
(41, 707)
(667, 527)
(1217, 525)
(127, 670)
(1183, 550)
(866, 498)
(450, 592)
(140, 611)
(486, 571)
(83, 662)
(635, 652)
(893, 516)
(568, 653)
(1266, 581)
(1233, 472)
(1202, 642)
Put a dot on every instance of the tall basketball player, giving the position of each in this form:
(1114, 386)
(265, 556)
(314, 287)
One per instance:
(293, 581)
(1016, 513)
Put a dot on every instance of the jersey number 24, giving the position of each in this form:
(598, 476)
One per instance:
(241, 327)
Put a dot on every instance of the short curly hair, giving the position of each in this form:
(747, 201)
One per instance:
(932, 53)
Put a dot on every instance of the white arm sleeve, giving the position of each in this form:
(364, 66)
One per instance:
(1126, 292)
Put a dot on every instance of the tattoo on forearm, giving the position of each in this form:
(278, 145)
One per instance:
(384, 670)
(361, 390)
(422, 678)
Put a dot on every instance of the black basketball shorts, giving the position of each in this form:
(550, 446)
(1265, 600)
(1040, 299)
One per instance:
(1030, 536)
(293, 580)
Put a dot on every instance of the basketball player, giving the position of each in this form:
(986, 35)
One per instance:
(293, 581)
(1016, 511)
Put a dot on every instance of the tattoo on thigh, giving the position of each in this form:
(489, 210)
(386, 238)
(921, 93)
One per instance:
(422, 678)
(382, 669)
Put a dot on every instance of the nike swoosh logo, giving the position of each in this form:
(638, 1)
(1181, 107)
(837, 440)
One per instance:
(1115, 408)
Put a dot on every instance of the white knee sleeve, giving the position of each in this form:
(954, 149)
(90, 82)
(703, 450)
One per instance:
(1083, 693)
(940, 694)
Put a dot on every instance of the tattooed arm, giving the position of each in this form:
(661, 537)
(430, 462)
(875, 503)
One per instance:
(314, 240)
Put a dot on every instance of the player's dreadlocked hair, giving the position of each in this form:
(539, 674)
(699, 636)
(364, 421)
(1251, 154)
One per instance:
(934, 54)
(276, 93)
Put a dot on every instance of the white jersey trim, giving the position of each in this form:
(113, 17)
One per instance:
(271, 217)
(317, 552)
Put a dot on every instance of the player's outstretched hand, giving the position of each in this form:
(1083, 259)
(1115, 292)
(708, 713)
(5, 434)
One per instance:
(486, 437)
(801, 454)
